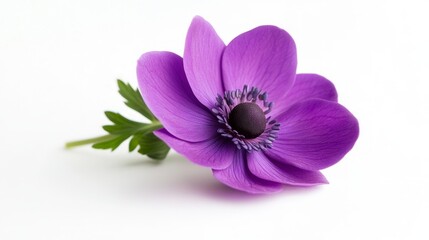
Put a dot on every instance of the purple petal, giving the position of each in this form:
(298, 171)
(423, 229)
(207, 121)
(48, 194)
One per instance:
(264, 57)
(264, 167)
(166, 91)
(202, 61)
(307, 86)
(214, 153)
(238, 176)
(314, 134)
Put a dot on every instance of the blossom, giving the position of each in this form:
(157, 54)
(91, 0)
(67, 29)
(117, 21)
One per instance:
(242, 110)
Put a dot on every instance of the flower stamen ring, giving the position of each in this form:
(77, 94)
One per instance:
(244, 118)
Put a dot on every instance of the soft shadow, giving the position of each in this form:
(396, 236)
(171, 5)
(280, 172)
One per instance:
(177, 176)
(142, 162)
(172, 178)
(220, 191)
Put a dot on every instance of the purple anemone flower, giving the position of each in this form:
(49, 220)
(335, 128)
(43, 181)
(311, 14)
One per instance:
(242, 110)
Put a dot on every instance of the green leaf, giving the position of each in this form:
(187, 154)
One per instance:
(153, 147)
(122, 125)
(134, 143)
(111, 144)
(150, 145)
(122, 128)
(134, 100)
(160, 155)
(119, 119)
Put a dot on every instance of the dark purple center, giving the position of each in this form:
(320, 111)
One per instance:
(247, 119)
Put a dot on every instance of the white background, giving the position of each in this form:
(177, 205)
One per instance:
(58, 65)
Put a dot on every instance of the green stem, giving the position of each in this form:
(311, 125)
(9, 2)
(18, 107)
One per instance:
(89, 141)
(153, 126)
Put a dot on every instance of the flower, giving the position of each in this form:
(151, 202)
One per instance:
(242, 110)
